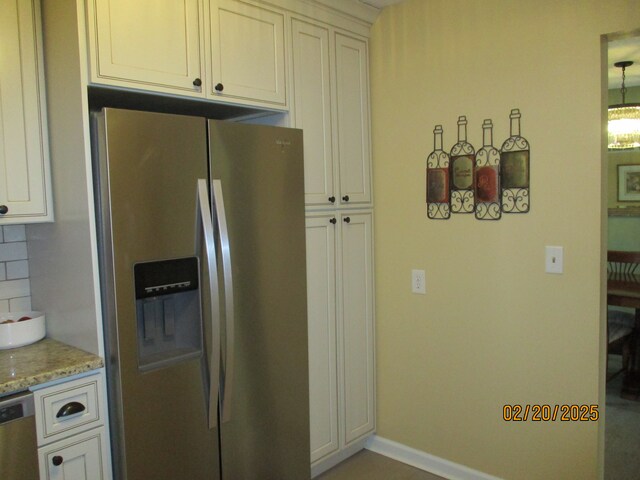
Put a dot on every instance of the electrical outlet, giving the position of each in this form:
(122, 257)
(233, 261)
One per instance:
(418, 282)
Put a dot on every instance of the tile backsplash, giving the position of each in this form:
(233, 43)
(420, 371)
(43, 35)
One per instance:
(15, 289)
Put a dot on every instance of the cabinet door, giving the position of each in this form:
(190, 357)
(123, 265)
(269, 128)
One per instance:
(24, 158)
(153, 43)
(357, 324)
(321, 304)
(79, 457)
(312, 104)
(352, 107)
(247, 52)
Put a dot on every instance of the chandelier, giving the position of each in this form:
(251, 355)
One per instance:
(624, 119)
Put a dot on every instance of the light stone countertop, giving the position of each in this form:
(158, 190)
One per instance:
(40, 362)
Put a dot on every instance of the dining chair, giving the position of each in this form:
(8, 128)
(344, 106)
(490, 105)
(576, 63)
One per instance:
(624, 268)
(620, 326)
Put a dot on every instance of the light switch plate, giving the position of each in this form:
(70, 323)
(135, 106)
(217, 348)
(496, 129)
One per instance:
(554, 259)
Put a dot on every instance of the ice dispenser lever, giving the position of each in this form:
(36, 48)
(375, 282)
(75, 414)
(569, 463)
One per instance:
(167, 311)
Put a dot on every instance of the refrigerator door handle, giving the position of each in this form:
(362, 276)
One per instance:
(210, 249)
(228, 353)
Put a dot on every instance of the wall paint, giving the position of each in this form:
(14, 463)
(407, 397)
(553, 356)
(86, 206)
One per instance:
(493, 328)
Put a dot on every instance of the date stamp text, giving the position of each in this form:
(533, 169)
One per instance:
(550, 413)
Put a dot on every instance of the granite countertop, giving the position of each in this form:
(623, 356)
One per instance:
(40, 362)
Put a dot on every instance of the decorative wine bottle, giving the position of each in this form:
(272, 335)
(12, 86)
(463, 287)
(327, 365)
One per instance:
(438, 206)
(487, 180)
(462, 168)
(514, 169)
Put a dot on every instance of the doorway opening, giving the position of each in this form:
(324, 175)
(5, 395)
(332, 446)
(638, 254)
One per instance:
(622, 428)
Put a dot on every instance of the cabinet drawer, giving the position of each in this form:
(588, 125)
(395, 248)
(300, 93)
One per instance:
(68, 408)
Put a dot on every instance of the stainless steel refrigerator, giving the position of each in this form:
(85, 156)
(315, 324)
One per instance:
(202, 262)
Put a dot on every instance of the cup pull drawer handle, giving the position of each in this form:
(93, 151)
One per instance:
(69, 409)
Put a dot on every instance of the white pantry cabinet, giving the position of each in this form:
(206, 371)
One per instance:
(331, 105)
(341, 333)
(71, 432)
(25, 187)
(217, 49)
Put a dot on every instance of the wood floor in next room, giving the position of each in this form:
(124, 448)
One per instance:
(367, 465)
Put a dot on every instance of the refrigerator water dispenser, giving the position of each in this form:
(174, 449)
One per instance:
(167, 312)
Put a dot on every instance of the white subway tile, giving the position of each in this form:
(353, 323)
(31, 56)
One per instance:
(17, 269)
(14, 288)
(20, 304)
(14, 233)
(13, 251)
(1, 235)
(4, 304)
(3, 271)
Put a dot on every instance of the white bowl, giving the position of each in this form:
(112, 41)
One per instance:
(17, 333)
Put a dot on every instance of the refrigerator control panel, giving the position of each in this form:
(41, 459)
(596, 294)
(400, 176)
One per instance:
(164, 277)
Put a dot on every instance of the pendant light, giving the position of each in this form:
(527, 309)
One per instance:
(624, 119)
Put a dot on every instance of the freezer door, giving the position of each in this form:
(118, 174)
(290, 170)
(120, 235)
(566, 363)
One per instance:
(149, 170)
(257, 172)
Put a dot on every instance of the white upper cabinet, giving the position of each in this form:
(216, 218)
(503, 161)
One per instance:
(153, 43)
(223, 49)
(25, 188)
(331, 105)
(352, 107)
(246, 52)
(312, 105)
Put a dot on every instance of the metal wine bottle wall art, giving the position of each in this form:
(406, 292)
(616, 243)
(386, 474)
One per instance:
(488, 182)
(463, 157)
(438, 204)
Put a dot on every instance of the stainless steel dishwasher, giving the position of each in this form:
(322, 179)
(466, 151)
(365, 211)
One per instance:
(18, 444)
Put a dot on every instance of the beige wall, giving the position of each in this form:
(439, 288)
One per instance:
(493, 328)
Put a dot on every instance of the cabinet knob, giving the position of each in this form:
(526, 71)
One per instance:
(197, 82)
(4, 209)
(333, 220)
(57, 460)
(219, 87)
(347, 219)
(332, 199)
(345, 198)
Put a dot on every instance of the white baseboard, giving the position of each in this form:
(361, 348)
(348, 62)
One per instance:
(424, 461)
(332, 460)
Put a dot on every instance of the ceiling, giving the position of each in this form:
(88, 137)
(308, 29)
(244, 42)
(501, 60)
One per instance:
(624, 49)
